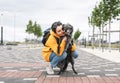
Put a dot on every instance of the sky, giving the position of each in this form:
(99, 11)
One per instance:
(15, 14)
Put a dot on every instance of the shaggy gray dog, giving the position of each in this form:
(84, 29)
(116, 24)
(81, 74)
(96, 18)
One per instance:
(69, 59)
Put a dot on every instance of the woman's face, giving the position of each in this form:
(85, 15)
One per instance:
(59, 31)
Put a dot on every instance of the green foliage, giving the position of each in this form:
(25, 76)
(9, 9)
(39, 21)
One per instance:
(105, 11)
(34, 29)
(29, 29)
(38, 31)
(77, 34)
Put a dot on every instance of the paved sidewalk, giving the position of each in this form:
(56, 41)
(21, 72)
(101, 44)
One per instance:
(24, 64)
(113, 56)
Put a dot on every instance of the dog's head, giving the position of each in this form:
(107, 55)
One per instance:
(68, 29)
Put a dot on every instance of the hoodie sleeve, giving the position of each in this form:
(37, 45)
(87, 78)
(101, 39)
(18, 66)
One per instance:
(73, 47)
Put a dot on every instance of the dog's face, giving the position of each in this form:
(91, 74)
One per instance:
(68, 29)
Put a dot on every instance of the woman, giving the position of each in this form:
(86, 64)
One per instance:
(50, 51)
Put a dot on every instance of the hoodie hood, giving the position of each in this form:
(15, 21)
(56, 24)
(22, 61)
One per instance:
(54, 34)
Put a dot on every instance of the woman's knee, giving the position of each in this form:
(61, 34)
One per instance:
(75, 54)
(64, 55)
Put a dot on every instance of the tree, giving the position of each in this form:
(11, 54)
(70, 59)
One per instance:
(77, 34)
(91, 20)
(34, 29)
(111, 10)
(29, 29)
(38, 30)
(105, 12)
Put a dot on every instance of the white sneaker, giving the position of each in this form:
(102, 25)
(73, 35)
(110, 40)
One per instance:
(56, 68)
(49, 70)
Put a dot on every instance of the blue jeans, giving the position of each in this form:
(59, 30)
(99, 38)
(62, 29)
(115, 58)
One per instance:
(54, 59)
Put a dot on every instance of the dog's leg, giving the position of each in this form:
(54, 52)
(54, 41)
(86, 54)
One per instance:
(74, 69)
(65, 66)
(72, 63)
(59, 72)
(61, 68)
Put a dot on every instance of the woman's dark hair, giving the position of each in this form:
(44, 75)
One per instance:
(54, 26)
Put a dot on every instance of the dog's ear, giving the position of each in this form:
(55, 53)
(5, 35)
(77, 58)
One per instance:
(72, 42)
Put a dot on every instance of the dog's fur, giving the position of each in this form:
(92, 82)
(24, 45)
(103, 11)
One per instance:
(69, 59)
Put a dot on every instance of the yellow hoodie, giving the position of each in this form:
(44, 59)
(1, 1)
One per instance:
(52, 46)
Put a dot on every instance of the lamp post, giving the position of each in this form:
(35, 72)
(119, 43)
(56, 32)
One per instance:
(14, 26)
(119, 37)
(1, 31)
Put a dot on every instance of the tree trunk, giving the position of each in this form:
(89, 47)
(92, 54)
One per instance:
(93, 37)
(100, 38)
(109, 36)
(103, 38)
